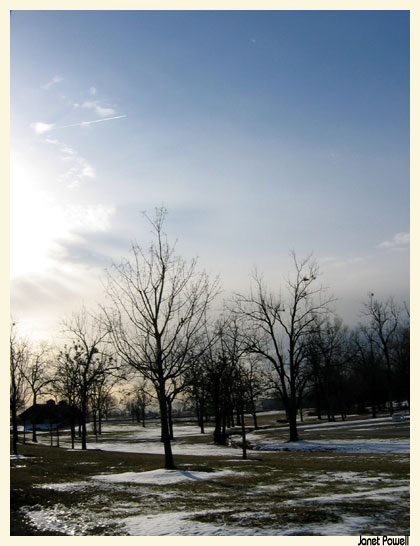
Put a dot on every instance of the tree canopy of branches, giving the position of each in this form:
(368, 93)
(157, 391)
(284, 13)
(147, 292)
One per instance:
(159, 305)
(328, 356)
(137, 398)
(38, 375)
(83, 364)
(384, 320)
(279, 327)
(19, 353)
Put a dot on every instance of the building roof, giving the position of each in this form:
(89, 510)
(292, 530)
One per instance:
(49, 412)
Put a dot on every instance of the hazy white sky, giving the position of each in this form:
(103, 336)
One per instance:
(260, 132)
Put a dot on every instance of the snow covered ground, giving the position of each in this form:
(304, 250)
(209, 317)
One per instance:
(129, 522)
(59, 519)
(180, 524)
(338, 446)
(133, 438)
(157, 487)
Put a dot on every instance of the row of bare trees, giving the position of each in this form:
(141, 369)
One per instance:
(156, 325)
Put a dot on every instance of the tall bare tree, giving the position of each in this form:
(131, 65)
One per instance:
(87, 359)
(66, 381)
(101, 390)
(137, 398)
(159, 305)
(328, 354)
(19, 352)
(369, 370)
(384, 320)
(278, 328)
(38, 376)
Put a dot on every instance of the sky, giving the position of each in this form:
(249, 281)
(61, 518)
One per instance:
(260, 132)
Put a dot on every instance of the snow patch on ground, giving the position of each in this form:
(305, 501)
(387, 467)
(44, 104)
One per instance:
(180, 524)
(58, 519)
(338, 446)
(162, 476)
(386, 493)
(69, 486)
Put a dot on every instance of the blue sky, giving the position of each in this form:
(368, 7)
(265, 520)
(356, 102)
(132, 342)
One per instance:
(259, 131)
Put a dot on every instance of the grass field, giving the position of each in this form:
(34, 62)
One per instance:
(315, 491)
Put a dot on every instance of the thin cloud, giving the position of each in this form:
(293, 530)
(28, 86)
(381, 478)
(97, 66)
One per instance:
(104, 111)
(40, 128)
(67, 150)
(337, 261)
(80, 168)
(89, 104)
(99, 110)
(92, 91)
(55, 80)
(399, 240)
(83, 123)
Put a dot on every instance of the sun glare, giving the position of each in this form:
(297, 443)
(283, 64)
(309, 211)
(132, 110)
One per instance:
(35, 224)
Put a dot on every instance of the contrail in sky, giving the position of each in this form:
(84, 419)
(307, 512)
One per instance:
(93, 121)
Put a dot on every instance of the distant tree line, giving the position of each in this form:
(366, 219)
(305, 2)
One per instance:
(156, 337)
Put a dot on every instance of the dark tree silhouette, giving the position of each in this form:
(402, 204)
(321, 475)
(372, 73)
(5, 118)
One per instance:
(279, 327)
(159, 305)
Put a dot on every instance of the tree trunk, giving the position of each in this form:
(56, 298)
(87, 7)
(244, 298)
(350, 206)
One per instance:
(83, 423)
(293, 433)
(169, 460)
(15, 429)
(94, 417)
(72, 432)
(170, 424)
(389, 380)
(244, 455)
(201, 417)
(224, 417)
(238, 417)
(254, 413)
(217, 435)
(34, 438)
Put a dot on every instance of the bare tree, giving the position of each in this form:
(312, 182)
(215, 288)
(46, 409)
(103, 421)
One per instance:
(232, 350)
(368, 365)
(101, 388)
(384, 319)
(86, 360)
(254, 383)
(159, 304)
(18, 385)
(38, 376)
(137, 399)
(327, 350)
(222, 376)
(278, 328)
(197, 389)
(66, 384)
